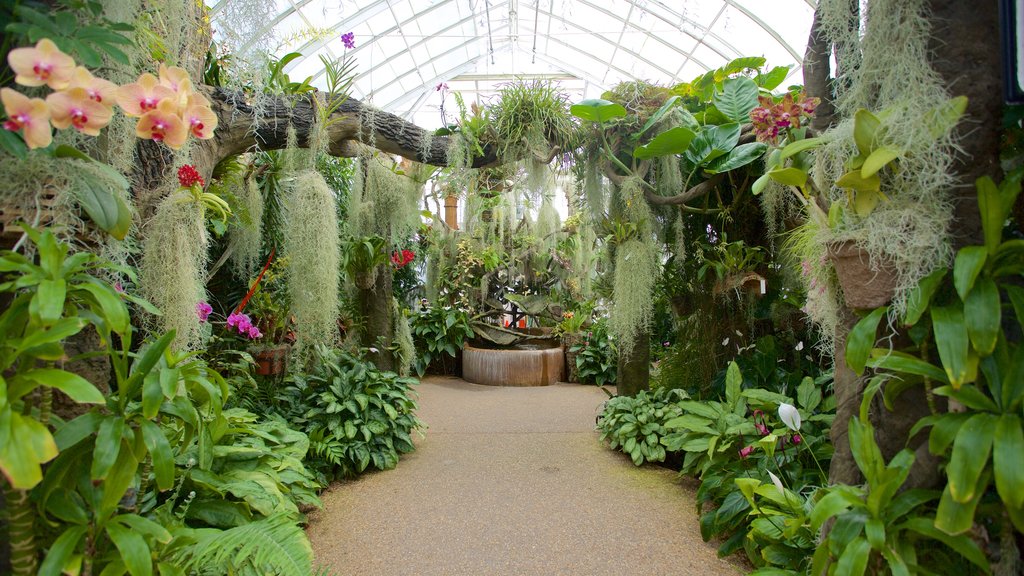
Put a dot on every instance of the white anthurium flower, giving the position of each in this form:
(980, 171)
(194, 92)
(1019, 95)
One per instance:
(790, 416)
(777, 482)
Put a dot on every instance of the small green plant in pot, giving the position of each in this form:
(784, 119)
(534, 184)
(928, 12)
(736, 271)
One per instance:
(596, 356)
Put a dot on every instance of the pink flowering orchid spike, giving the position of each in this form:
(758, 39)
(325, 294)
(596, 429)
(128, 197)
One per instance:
(74, 107)
(142, 96)
(163, 125)
(43, 65)
(99, 90)
(31, 115)
(199, 117)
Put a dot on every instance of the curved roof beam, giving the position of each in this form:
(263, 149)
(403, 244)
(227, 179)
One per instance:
(764, 25)
(421, 42)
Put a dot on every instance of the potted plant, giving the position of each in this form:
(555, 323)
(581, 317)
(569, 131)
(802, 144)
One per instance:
(570, 332)
(267, 304)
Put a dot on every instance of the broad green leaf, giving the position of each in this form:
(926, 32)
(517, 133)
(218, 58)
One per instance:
(737, 98)
(61, 551)
(969, 396)
(121, 477)
(832, 504)
(160, 453)
(945, 116)
(878, 160)
(737, 158)
(672, 101)
(861, 340)
(61, 330)
(77, 388)
(712, 142)
(48, 302)
(789, 176)
(152, 395)
(1007, 461)
(742, 63)
(854, 559)
(104, 206)
(808, 395)
(759, 185)
(969, 262)
(770, 80)
(963, 545)
(865, 129)
(143, 364)
(75, 431)
(990, 205)
(108, 446)
(799, 146)
(953, 517)
(24, 445)
(733, 381)
(114, 309)
(952, 342)
(921, 296)
(983, 315)
(944, 431)
(133, 549)
(874, 530)
(673, 141)
(597, 110)
(902, 362)
(970, 455)
(857, 181)
(144, 525)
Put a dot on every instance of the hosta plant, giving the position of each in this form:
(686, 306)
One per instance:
(635, 424)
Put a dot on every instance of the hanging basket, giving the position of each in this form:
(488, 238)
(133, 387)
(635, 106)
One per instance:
(863, 286)
(272, 361)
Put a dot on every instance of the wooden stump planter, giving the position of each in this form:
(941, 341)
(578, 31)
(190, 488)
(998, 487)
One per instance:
(864, 286)
(568, 341)
(272, 361)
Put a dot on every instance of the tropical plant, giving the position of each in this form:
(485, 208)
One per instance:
(596, 357)
(961, 325)
(438, 334)
(635, 424)
(356, 416)
(878, 528)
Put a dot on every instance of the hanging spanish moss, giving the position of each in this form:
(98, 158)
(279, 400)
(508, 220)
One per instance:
(312, 247)
(173, 269)
(406, 353)
(548, 222)
(636, 271)
(245, 239)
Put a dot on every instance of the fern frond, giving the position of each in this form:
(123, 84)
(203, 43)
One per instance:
(274, 545)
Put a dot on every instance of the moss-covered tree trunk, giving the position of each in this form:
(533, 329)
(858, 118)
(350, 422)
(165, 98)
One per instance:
(971, 66)
(634, 372)
(378, 329)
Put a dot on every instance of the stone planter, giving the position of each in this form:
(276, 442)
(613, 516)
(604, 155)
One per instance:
(272, 361)
(863, 286)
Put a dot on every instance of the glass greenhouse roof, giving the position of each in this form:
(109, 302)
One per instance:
(405, 49)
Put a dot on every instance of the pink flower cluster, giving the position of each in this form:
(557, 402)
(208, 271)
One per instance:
(770, 117)
(244, 325)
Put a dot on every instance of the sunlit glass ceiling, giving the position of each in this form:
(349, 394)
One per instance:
(406, 48)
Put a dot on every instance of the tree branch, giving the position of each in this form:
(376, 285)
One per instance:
(694, 192)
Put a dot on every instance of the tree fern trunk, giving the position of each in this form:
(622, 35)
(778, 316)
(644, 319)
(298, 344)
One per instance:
(21, 528)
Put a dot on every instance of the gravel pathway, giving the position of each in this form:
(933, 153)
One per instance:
(512, 481)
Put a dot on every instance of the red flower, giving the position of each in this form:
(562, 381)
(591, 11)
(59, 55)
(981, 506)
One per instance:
(400, 259)
(188, 176)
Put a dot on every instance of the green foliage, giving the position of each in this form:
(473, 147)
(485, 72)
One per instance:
(530, 117)
(273, 545)
(636, 424)
(877, 523)
(596, 357)
(438, 333)
(356, 416)
(78, 28)
(960, 342)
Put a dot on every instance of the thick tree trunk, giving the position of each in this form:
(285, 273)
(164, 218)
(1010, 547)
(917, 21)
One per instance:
(965, 51)
(378, 325)
(634, 372)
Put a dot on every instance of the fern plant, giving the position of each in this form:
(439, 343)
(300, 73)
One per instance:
(274, 545)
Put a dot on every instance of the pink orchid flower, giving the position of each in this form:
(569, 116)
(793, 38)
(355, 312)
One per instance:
(44, 64)
(203, 311)
(163, 125)
(254, 333)
(29, 114)
(199, 118)
(99, 90)
(142, 96)
(74, 107)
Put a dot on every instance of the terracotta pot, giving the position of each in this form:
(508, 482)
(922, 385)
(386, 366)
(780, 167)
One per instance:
(272, 361)
(863, 286)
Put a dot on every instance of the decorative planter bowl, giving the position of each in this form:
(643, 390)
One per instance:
(537, 363)
(864, 286)
(272, 361)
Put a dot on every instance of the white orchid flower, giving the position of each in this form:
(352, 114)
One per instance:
(790, 416)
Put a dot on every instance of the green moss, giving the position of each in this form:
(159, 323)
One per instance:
(246, 237)
(636, 271)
